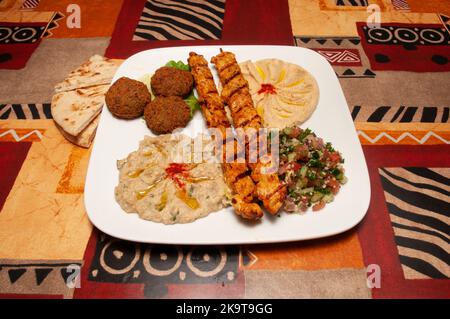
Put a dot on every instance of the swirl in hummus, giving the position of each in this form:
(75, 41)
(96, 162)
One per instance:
(154, 184)
(284, 94)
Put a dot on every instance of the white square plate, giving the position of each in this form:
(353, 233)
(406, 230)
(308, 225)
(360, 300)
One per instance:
(332, 121)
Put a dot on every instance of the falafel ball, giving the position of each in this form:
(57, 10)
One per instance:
(127, 98)
(164, 114)
(168, 81)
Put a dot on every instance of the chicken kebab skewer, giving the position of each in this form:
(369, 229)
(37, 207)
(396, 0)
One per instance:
(235, 93)
(237, 174)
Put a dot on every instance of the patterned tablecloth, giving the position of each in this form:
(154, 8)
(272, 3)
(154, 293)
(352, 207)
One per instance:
(396, 79)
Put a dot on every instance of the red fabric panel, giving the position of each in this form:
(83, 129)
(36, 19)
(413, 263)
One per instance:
(18, 42)
(245, 22)
(414, 57)
(213, 290)
(29, 296)
(12, 156)
(15, 56)
(375, 231)
(99, 290)
(161, 289)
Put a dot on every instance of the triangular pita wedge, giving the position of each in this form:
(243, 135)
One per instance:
(74, 110)
(96, 71)
(84, 139)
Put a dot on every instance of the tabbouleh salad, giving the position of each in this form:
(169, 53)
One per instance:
(311, 169)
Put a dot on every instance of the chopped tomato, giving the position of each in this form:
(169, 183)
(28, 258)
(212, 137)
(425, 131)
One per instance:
(295, 132)
(335, 157)
(318, 206)
(334, 185)
(283, 169)
(310, 169)
(296, 166)
(289, 166)
(289, 205)
(301, 152)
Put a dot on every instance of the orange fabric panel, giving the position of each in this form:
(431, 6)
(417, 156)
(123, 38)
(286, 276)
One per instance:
(97, 18)
(341, 251)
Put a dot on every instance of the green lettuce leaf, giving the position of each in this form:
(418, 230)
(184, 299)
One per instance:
(179, 65)
(192, 102)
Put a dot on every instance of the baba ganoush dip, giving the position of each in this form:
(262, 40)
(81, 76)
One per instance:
(156, 184)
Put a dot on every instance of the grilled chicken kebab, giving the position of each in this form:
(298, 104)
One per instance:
(237, 175)
(246, 180)
(235, 93)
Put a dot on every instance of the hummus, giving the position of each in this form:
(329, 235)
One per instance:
(284, 94)
(157, 188)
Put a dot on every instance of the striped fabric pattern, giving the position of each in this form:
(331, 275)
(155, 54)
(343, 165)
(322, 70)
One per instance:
(353, 3)
(401, 137)
(445, 19)
(21, 135)
(351, 61)
(401, 114)
(401, 5)
(32, 111)
(181, 20)
(30, 4)
(418, 201)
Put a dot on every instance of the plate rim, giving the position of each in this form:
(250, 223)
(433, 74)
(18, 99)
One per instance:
(252, 241)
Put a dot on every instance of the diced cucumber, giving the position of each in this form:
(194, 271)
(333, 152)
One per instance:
(328, 198)
(316, 197)
(300, 183)
(307, 190)
(287, 131)
(303, 171)
(291, 157)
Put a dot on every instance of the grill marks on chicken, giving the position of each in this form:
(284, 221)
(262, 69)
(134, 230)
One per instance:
(209, 99)
(235, 92)
(237, 175)
(236, 95)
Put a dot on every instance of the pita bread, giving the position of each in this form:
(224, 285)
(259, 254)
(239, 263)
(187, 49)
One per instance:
(97, 70)
(74, 110)
(84, 139)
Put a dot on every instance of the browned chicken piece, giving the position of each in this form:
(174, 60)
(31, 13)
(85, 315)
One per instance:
(230, 72)
(214, 112)
(236, 174)
(223, 61)
(274, 201)
(236, 85)
(245, 187)
(239, 101)
(242, 110)
(255, 122)
(245, 209)
(209, 99)
(233, 171)
(235, 93)
(232, 155)
(268, 187)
